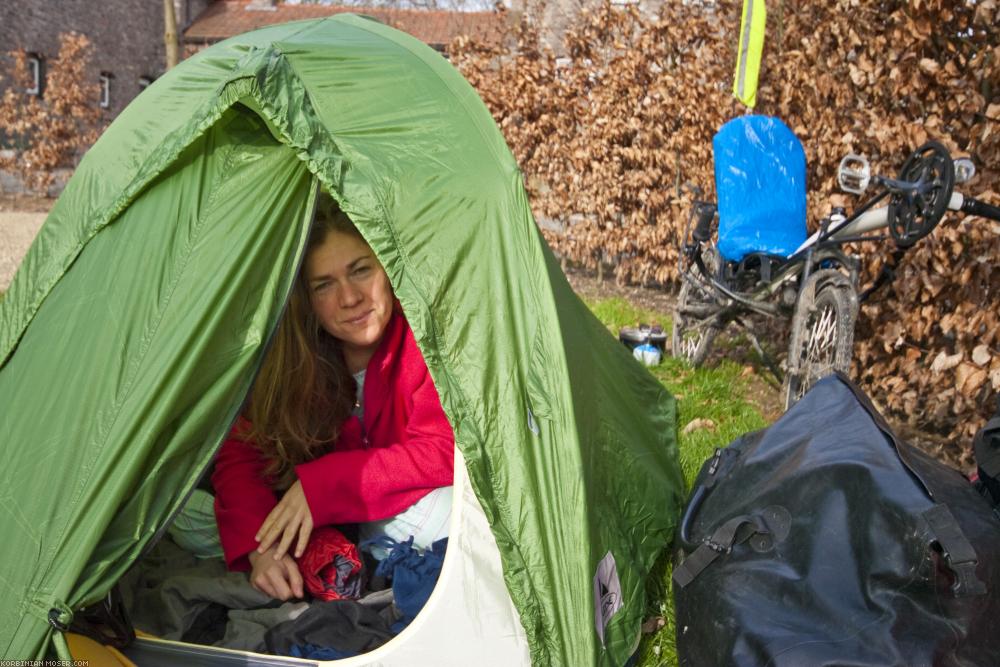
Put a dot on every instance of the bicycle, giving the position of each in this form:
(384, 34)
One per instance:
(816, 285)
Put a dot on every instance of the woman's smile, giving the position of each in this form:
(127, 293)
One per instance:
(358, 319)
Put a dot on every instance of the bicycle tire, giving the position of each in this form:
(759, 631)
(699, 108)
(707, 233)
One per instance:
(822, 338)
(691, 337)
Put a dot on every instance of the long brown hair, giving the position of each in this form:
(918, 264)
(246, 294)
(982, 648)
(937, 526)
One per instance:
(304, 391)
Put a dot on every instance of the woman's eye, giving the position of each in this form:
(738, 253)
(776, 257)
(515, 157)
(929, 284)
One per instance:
(360, 270)
(319, 287)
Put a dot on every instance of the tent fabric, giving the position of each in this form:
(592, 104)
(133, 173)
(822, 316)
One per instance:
(115, 390)
(131, 333)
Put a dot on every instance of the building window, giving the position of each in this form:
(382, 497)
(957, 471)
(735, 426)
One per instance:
(34, 63)
(106, 89)
(145, 82)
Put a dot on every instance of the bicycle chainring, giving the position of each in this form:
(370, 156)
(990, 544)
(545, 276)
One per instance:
(914, 214)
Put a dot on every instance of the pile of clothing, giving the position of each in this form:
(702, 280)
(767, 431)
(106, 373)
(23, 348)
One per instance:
(356, 603)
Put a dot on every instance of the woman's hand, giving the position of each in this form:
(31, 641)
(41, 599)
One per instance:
(279, 578)
(290, 517)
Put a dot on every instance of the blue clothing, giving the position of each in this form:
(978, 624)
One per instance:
(414, 574)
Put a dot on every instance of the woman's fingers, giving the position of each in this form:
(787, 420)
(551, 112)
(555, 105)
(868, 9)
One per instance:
(305, 530)
(294, 577)
(267, 533)
(277, 582)
(260, 580)
(283, 532)
(263, 585)
(276, 524)
(295, 519)
(290, 519)
(280, 579)
(284, 581)
(286, 539)
(278, 576)
(300, 527)
(264, 527)
(268, 539)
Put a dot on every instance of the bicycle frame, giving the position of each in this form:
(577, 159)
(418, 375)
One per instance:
(826, 244)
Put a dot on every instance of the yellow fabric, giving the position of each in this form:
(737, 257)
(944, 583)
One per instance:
(85, 649)
(748, 55)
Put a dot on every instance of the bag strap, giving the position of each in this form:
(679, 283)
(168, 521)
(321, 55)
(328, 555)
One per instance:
(958, 551)
(697, 498)
(735, 531)
(711, 472)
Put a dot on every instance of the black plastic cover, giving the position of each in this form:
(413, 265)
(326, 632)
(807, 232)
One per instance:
(824, 540)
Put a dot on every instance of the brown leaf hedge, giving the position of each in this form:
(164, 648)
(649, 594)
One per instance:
(49, 131)
(614, 141)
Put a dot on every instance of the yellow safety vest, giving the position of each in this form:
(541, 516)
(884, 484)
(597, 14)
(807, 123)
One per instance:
(749, 53)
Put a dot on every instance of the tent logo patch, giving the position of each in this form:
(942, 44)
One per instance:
(607, 594)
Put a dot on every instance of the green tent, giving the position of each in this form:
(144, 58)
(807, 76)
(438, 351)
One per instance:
(132, 332)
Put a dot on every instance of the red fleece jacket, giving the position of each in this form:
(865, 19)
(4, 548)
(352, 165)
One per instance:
(404, 449)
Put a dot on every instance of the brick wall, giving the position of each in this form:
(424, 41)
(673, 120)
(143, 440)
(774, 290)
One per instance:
(127, 36)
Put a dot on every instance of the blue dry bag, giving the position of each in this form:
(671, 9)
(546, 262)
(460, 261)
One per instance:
(760, 181)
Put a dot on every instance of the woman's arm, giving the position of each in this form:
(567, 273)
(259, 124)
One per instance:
(354, 485)
(243, 498)
(409, 451)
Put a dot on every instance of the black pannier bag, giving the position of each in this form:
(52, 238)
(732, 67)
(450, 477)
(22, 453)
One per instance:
(824, 540)
(987, 448)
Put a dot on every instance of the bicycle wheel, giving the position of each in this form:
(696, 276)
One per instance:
(695, 324)
(822, 337)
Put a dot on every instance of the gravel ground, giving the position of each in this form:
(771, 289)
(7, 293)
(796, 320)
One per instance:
(17, 230)
(20, 218)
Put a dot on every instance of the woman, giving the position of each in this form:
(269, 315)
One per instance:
(343, 424)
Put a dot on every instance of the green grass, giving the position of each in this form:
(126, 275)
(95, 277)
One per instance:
(718, 393)
(617, 313)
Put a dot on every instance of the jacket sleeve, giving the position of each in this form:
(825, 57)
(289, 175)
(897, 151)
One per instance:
(243, 498)
(354, 485)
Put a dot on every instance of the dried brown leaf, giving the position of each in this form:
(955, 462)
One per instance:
(698, 424)
(981, 355)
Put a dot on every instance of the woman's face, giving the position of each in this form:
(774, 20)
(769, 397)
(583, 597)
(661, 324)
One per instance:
(350, 294)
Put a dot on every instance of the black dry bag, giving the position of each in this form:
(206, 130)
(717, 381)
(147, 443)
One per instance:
(824, 540)
(987, 448)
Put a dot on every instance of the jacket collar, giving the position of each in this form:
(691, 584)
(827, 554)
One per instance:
(380, 367)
